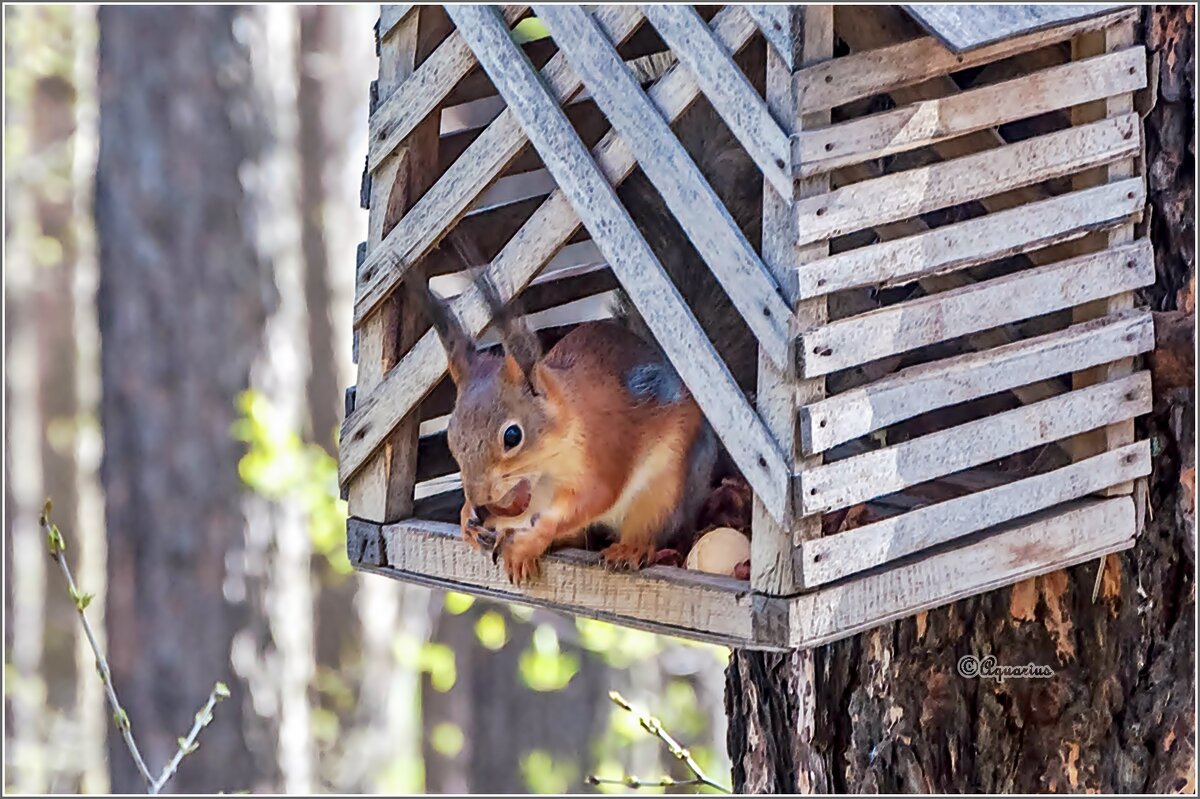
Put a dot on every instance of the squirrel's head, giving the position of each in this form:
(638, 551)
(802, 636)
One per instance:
(500, 430)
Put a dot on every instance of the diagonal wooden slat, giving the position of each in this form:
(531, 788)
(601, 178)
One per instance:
(926, 387)
(683, 187)
(774, 23)
(536, 243)
(958, 312)
(836, 556)
(883, 471)
(902, 195)
(486, 157)
(631, 259)
(975, 241)
(879, 70)
(730, 93)
(932, 121)
(419, 95)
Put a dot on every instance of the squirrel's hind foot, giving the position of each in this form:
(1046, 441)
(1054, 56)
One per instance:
(626, 557)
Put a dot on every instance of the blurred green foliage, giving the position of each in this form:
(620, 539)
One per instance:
(280, 466)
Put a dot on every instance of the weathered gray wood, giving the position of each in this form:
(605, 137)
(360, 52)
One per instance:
(383, 491)
(837, 556)
(1048, 542)
(873, 474)
(391, 15)
(730, 93)
(808, 34)
(708, 224)
(419, 95)
(919, 389)
(1115, 38)
(668, 600)
(932, 121)
(902, 195)
(486, 157)
(880, 70)
(1022, 295)
(476, 114)
(538, 240)
(965, 27)
(775, 24)
(631, 259)
(975, 241)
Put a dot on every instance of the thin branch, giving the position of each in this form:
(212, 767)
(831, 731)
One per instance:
(652, 725)
(188, 745)
(57, 546)
(55, 543)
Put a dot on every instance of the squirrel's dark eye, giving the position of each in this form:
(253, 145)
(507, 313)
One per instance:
(512, 436)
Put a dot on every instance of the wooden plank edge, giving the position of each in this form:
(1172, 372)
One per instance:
(835, 557)
(373, 547)
(949, 587)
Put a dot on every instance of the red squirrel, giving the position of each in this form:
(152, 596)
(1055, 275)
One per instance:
(598, 432)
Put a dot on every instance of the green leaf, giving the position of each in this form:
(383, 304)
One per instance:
(447, 739)
(221, 690)
(492, 631)
(82, 600)
(121, 719)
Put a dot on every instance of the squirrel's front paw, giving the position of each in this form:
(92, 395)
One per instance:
(522, 557)
(626, 557)
(473, 532)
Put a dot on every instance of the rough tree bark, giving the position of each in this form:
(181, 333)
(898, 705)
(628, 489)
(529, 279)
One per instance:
(182, 300)
(893, 714)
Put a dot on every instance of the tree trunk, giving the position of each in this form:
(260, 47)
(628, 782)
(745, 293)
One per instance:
(182, 300)
(892, 713)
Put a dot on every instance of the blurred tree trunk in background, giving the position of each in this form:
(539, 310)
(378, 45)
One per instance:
(892, 713)
(318, 140)
(183, 298)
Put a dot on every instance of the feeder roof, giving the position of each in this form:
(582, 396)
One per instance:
(966, 27)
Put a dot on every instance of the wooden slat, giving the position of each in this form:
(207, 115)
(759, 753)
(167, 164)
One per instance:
(538, 240)
(483, 160)
(662, 599)
(883, 69)
(479, 113)
(837, 556)
(631, 259)
(1048, 542)
(883, 471)
(919, 389)
(1023, 295)
(1115, 38)
(774, 23)
(383, 490)
(808, 33)
(966, 27)
(391, 15)
(726, 87)
(975, 241)
(706, 221)
(419, 95)
(902, 195)
(932, 121)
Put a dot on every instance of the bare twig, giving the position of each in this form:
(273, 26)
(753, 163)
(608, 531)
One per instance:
(57, 546)
(188, 745)
(652, 725)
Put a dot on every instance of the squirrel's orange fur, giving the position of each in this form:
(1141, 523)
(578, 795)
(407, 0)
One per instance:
(609, 436)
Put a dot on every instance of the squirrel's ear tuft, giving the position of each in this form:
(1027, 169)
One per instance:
(521, 345)
(460, 349)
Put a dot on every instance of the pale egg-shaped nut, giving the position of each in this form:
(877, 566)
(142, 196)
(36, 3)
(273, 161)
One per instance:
(719, 551)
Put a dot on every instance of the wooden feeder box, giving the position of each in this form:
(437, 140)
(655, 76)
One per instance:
(942, 293)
